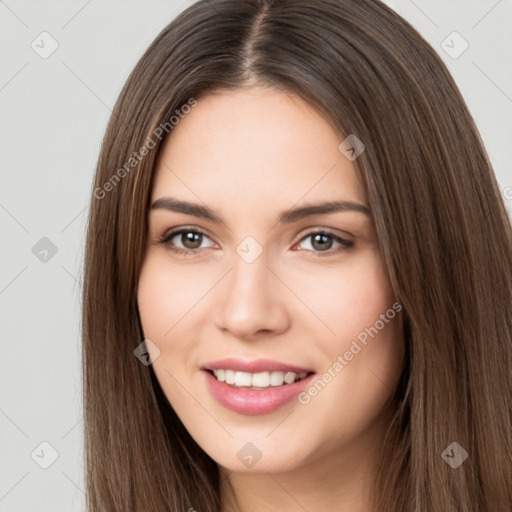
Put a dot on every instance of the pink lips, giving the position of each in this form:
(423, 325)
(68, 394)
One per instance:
(258, 365)
(253, 401)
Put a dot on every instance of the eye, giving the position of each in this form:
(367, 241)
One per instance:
(323, 241)
(190, 239)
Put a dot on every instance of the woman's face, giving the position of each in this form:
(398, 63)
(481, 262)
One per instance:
(273, 287)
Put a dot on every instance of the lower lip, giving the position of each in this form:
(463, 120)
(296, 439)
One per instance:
(253, 401)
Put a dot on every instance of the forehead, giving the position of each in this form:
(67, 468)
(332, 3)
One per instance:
(257, 143)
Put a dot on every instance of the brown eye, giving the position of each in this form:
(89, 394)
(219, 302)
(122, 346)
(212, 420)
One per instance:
(185, 241)
(322, 242)
(191, 239)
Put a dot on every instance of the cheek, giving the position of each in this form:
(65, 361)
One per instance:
(166, 301)
(369, 330)
(363, 352)
(346, 298)
(165, 297)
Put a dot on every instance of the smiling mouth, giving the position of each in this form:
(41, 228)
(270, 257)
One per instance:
(257, 381)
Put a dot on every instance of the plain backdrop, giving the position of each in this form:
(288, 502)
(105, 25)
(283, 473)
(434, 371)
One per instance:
(54, 109)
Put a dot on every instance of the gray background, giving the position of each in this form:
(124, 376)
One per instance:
(54, 112)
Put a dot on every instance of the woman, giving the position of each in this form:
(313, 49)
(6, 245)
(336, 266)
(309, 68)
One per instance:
(296, 230)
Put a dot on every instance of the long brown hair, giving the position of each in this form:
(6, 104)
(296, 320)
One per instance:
(442, 227)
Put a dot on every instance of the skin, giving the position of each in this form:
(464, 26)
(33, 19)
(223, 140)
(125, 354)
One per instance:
(248, 155)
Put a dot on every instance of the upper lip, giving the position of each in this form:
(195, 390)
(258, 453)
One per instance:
(254, 366)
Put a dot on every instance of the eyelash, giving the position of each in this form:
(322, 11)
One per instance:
(166, 238)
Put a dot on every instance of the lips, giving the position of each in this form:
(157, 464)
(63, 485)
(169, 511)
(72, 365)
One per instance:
(251, 400)
(256, 366)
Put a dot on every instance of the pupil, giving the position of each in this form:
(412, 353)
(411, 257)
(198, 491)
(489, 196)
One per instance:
(324, 238)
(189, 239)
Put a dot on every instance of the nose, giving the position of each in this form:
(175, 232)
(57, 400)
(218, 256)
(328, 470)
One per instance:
(251, 301)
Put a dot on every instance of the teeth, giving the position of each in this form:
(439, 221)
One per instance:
(276, 378)
(289, 377)
(243, 379)
(230, 377)
(257, 380)
(260, 380)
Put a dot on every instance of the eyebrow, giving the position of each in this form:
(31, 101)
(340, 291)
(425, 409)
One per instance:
(286, 217)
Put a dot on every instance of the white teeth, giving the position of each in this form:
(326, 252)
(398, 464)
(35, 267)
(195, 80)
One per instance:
(276, 378)
(243, 379)
(289, 377)
(258, 380)
(261, 380)
(230, 377)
